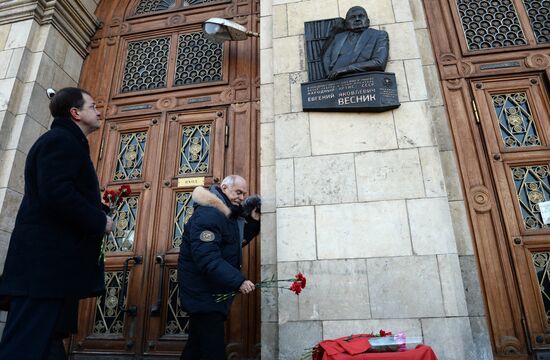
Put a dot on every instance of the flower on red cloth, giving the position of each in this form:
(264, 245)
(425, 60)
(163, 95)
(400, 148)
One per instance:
(296, 288)
(301, 279)
(385, 333)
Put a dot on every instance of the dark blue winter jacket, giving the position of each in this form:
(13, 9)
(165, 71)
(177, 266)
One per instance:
(210, 254)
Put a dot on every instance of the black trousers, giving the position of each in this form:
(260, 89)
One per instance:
(35, 328)
(206, 338)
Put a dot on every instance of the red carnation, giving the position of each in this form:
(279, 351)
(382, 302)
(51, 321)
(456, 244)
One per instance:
(300, 278)
(109, 196)
(125, 190)
(385, 333)
(296, 288)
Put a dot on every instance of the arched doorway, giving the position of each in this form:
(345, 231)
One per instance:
(179, 111)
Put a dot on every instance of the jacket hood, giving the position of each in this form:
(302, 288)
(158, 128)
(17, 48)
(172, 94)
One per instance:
(204, 197)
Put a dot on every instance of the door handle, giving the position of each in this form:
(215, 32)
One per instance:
(132, 309)
(155, 309)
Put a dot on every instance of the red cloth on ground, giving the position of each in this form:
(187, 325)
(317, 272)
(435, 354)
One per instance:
(333, 350)
(348, 345)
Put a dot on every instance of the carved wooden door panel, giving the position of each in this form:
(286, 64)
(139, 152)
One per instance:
(179, 111)
(513, 114)
(189, 160)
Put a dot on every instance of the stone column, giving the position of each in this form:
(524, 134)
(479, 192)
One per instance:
(358, 201)
(42, 44)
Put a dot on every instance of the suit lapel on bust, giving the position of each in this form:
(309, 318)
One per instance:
(365, 44)
(339, 43)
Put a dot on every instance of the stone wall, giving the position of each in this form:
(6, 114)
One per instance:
(36, 52)
(367, 206)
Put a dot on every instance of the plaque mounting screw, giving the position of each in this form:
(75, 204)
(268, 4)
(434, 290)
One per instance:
(534, 81)
(517, 241)
(479, 86)
(219, 114)
(174, 117)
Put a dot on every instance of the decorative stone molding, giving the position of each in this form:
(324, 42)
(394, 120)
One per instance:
(69, 17)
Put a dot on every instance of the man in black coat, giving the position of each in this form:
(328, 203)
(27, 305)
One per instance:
(53, 256)
(210, 261)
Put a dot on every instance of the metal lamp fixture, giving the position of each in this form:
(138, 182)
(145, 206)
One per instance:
(219, 30)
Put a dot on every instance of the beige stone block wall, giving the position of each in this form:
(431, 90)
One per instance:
(368, 206)
(440, 330)
(268, 165)
(39, 57)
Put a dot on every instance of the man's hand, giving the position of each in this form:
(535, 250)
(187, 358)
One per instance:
(255, 214)
(247, 287)
(109, 224)
(340, 72)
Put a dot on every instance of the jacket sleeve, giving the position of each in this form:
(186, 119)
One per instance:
(205, 238)
(57, 168)
(251, 229)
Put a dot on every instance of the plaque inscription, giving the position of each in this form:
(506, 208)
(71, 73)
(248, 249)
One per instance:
(374, 91)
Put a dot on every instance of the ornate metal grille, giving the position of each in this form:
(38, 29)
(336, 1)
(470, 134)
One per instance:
(177, 321)
(541, 260)
(146, 65)
(183, 211)
(131, 151)
(195, 149)
(124, 218)
(532, 186)
(150, 6)
(198, 2)
(109, 320)
(539, 17)
(199, 60)
(517, 126)
(490, 24)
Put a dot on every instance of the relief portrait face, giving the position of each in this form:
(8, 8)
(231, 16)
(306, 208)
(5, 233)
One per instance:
(357, 19)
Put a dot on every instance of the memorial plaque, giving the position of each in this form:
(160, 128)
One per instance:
(346, 65)
(374, 91)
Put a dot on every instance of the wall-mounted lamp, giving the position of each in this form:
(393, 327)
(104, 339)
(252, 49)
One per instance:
(219, 30)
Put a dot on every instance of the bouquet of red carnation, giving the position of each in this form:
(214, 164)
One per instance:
(298, 283)
(113, 199)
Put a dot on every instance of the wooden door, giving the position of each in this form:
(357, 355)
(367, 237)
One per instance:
(179, 112)
(493, 56)
(513, 114)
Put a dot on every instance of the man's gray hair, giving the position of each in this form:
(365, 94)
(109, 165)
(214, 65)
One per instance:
(230, 180)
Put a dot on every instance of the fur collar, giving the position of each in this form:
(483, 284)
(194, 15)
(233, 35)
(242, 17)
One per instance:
(204, 197)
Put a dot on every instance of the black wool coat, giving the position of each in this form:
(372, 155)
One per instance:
(211, 252)
(55, 245)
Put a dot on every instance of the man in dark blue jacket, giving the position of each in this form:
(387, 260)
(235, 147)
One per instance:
(210, 261)
(53, 256)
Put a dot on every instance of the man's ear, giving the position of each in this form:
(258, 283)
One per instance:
(74, 113)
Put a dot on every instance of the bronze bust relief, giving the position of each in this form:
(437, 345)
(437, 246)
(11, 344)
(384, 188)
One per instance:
(357, 49)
